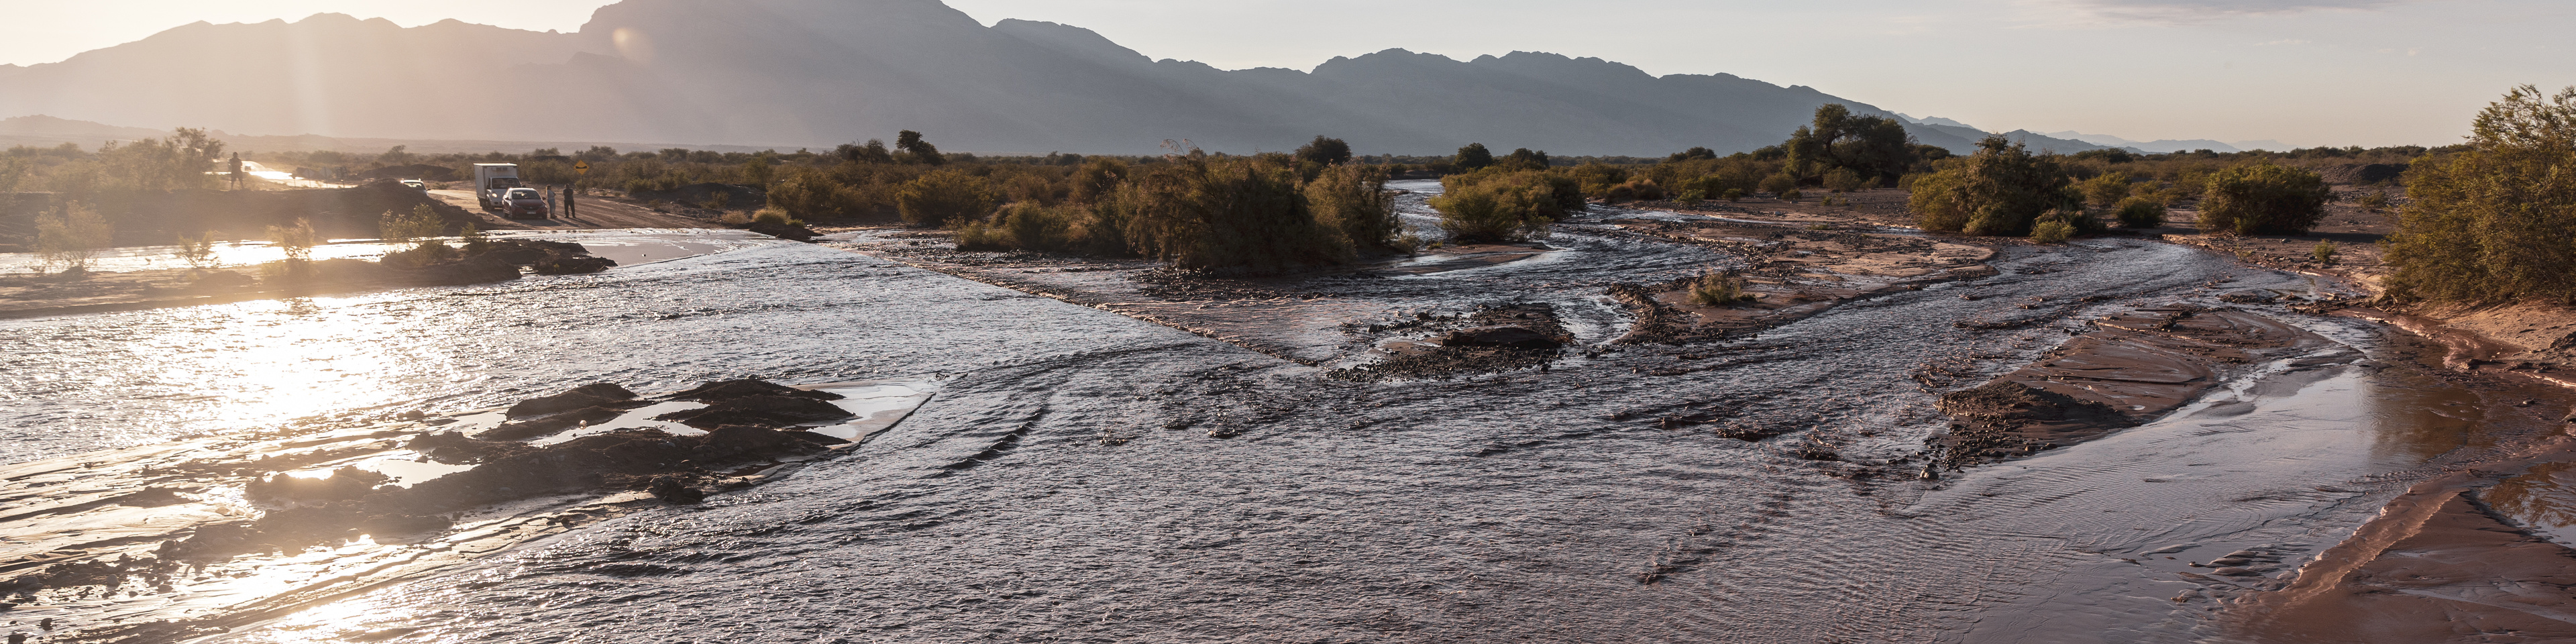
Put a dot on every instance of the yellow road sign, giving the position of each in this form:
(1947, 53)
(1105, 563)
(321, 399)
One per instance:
(581, 167)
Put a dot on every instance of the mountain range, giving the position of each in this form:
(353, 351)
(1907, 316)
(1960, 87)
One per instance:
(813, 73)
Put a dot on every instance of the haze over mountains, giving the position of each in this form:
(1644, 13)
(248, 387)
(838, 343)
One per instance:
(812, 73)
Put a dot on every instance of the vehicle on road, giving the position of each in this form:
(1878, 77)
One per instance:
(523, 203)
(415, 184)
(493, 183)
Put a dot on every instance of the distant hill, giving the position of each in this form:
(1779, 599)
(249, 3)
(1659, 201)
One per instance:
(2156, 146)
(813, 73)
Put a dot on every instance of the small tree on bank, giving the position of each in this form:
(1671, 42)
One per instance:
(2001, 190)
(71, 237)
(2497, 222)
(938, 198)
(2263, 199)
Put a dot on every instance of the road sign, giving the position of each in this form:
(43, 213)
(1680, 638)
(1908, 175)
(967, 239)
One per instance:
(581, 167)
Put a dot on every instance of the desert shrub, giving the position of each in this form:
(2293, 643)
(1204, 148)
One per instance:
(2001, 190)
(917, 150)
(2374, 200)
(1691, 196)
(297, 241)
(2263, 199)
(422, 221)
(1029, 225)
(2140, 212)
(1564, 191)
(2106, 189)
(1236, 214)
(940, 197)
(1353, 201)
(1718, 289)
(1733, 194)
(1097, 179)
(773, 216)
(198, 251)
(2051, 232)
(1494, 211)
(71, 237)
(2493, 223)
(2324, 253)
(1793, 195)
(1523, 159)
(1639, 189)
(428, 252)
(812, 194)
(1780, 184)
(1844, 180)
(1324, 151)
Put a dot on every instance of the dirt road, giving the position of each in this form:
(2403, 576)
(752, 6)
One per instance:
(594, 212)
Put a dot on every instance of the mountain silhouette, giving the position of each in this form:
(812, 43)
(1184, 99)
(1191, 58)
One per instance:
(811, 73)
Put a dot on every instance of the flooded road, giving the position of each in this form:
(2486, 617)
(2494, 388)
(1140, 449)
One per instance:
(1066, 484)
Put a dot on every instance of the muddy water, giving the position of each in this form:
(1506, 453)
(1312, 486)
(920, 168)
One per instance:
(1063, 485)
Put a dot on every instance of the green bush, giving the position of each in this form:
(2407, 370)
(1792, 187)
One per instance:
(1473, 157)
(1565, 191)
(1039, 227)
(1718, 289)
(1780, 184)
(945, 196)
(2140, 212)
(422, 221)
(2492, 224)
(1353, 201)
(71, 237)
(2051, 232)
(1235, 214)
(2001, 190)
(2263, 199)
(1494, 211)
(813, 195)
(2324, 253)
(1733, 194)
(1844, 180)
(2106, 189)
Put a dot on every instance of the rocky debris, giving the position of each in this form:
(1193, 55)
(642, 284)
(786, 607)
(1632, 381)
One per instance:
(761, 410)
(598, 394)
(1506, 336)
(2249, 296)
(790, 232)
(2006, 418)
(550, 424)
(728, 389)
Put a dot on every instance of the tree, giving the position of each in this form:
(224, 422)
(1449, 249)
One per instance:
(71, 237)
(297, 241)
(1353, 200)
(2263, 199)
(940, 197)
(1523, 159)
(1691, 154)
(2496, 222)
(874, 151)
(1875, 147)
(1473, 157)
(397, 155)
(2000, 190)
(1325, 151)
(1234, 213)
(910, 142)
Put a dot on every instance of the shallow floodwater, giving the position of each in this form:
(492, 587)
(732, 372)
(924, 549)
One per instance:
(1063, 486)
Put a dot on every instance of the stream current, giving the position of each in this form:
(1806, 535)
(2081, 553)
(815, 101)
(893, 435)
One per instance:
(1058, 488)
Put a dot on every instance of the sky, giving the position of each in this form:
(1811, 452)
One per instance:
(2304, 72)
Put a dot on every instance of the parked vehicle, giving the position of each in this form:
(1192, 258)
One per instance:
(416, 184)
(523, 203)
(493, 182)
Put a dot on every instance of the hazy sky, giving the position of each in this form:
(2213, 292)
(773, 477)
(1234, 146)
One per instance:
(2307, 72)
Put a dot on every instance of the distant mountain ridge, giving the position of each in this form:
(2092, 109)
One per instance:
(812, 73)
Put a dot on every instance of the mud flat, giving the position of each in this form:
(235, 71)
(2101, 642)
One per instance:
(1792, 273)
(2131, 368)
(193, 537)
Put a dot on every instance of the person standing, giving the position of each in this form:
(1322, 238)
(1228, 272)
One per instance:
(550, 200)
(236, 166)
(568, 205)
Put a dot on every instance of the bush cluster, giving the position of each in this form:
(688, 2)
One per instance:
(2003, 189)
(1205, 212)
(2263, 199)
(2497, 222)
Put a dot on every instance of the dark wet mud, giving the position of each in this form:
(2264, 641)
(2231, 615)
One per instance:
(1184, 467)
